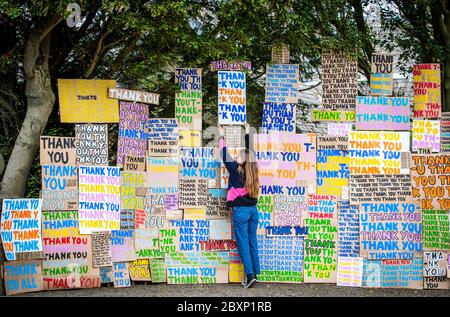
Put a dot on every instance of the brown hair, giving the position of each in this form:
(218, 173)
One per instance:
(249, 168)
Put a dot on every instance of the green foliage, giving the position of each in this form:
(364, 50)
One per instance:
(140, 43)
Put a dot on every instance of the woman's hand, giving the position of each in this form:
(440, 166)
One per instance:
(246, 127)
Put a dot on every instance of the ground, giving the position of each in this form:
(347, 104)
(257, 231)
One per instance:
(236, 290)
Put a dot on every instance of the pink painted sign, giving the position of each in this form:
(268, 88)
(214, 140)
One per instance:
(286, 162)
(382, 113)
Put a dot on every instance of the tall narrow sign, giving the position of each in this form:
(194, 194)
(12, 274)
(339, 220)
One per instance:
(427, 90)
(99, 201)
(232, 97)
(339, 80)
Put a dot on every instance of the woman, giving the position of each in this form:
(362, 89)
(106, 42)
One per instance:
(242, 196)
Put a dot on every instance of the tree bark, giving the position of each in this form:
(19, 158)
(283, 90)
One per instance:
(446, 87)
(40, 101)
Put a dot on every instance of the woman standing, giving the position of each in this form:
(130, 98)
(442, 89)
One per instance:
(242, 196)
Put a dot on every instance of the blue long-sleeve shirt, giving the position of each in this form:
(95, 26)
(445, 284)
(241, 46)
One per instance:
(237, 194)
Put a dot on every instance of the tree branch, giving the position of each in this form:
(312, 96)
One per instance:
(34, 43)
(311, 87)
(129, 46)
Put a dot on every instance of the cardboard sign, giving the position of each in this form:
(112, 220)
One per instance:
(236, 268)
(200, 162)
(197, 267)
(146, 239)
(435, 270)
(188, 78)
(128, 197)
(430, 174)
(59, 187)
(218, 245)
(332, 115)
(121, 274)
(393, 273)
(327, 142)
(381, 84)
(99, 198)
(134, 164)
(21, 228)
(382, 63)
(101, 249)
(171, 205)
(372, 188)
(23, 277)
(68, 255)
(220, 229)
(321, 251)
(265, 212)
(162, 129)
(146, 243)
(122, 246)
(390, 230)
(382, 113)
(132, 135)
(188, 98)
(280, 54)
(290, 210)
(378, 152)
(348, 230)
(339, 80)
(332, 170)
(140, 270)
(282, 83)
(106, 274)
(126, 219)
(183, 235)
(445, 132)
(91, 142)
(234, 137)
(216, 207)
(162, 175)
(57, 151)
(339, 129)
(193, 193)
(162, 137)
(190, 138)
(232, 98)
(381, 77)
(158, 271)
(286, 267)
(280, 117)
(188, 109)
(289, 231)
(230, 65)
(153, 214)
(133, 95)
(427, 90)
(436, 230)
(194, 214)
(349, 271)
(287, 163)
(426, 135)
(86, 100)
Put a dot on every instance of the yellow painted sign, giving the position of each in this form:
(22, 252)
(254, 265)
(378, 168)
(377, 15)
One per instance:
(86, 100)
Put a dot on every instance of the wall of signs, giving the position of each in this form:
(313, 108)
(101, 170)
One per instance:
(365, 204)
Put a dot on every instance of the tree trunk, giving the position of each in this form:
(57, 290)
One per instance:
(446, 87)
(40, 100)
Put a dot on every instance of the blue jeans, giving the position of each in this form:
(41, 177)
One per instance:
(245, 222)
